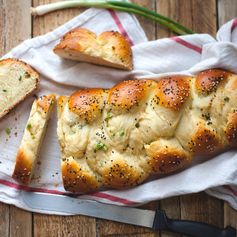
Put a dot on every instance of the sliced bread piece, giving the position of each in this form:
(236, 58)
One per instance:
(32, 138)
(17, 81)
(110, 48)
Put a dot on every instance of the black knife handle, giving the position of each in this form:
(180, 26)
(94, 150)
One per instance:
(190, 228)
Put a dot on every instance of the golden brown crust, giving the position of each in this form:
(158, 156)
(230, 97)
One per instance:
(205, 141)
(118, 174)
(30, 71)
(61, 102)
(119, 45)
(23, 168)
(44, 102)
(231, 128)
(87, 104)
(172, 92)
(110, 48)
(77, 39)
(166, 156)
(208, 81)
(79, 32)
(128, 94)
(76, 178)
(169, 160)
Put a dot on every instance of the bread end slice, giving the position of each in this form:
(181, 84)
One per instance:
(32, 138)
(110, 48)
(17, 81)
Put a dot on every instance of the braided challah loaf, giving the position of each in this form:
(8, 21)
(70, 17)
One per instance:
(120, 137)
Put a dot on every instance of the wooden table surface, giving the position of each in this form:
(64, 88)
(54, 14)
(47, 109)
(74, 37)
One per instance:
(16, 25)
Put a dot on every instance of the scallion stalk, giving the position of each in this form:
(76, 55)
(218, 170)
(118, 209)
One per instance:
(119, 5)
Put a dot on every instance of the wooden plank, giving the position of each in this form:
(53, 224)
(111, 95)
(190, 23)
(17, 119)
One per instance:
(172, 208)
(61, 226)
(48, 225)
(108, 228)
(198, 15)
(20, 222)
(4, 220)
(14, 15)
(2, 24)
(204, 208)
(17, 22)
(227, 10)
(135, 235)
(148, 25)
(230, 216)
(58, 225)
(49, 22)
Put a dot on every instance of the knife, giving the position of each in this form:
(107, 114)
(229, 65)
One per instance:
(157, 220)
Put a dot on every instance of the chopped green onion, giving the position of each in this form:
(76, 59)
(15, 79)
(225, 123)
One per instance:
(100, 146)
(4, 90)
(8, 131)
(29, 126)
(108, 116)
(119, 5)
(121, 133)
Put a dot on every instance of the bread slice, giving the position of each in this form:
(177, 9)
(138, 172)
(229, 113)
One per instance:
(110, 48)
(17, 81)
(33, 136)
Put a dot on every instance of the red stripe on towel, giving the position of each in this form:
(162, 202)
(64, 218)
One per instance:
(231, 190)
(234, 24)
(51, 191)
(120, 26)
(31, 189)
(187, 44)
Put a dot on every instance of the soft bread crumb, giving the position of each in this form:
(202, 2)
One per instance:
(35, 130)
(17, 81)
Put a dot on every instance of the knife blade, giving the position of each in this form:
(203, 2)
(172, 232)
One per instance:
(157, 220)
(56, 203)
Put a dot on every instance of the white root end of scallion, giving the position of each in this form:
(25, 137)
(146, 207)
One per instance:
(47, 8)
(33, 11)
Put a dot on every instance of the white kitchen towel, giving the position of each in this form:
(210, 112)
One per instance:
(177, 55)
